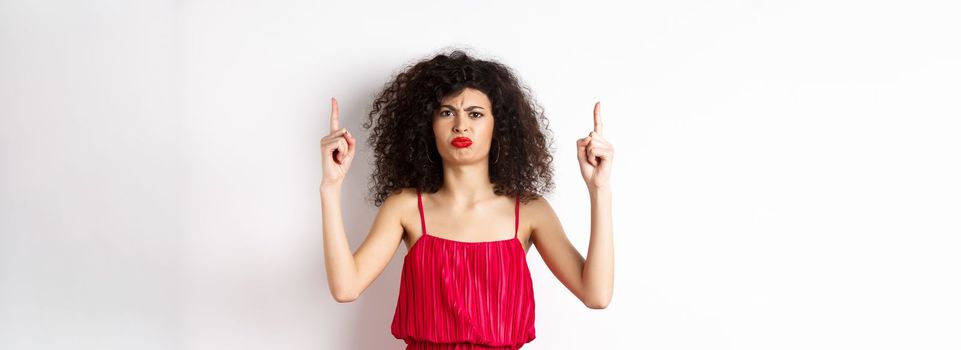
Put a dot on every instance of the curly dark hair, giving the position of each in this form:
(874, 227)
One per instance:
(402, 137)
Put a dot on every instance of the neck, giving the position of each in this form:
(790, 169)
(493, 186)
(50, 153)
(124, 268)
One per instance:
(467, 183)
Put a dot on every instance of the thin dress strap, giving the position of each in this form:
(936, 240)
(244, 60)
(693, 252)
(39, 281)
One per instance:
(517, 214)
(420, 208)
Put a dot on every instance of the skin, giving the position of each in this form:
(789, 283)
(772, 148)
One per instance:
(465, 207)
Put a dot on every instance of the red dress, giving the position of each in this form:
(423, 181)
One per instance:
(465, 295)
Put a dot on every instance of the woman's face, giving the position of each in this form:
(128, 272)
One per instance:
(465, 115)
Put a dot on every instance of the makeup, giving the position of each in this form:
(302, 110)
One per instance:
(461, 142)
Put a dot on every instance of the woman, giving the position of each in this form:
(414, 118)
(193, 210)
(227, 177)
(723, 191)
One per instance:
(462, 149)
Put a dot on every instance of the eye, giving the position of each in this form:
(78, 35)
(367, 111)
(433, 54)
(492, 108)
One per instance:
(479, 114)
(442, 113)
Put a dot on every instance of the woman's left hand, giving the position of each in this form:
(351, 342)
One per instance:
(595, 155)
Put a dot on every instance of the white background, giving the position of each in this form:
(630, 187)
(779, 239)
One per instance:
(786, 173)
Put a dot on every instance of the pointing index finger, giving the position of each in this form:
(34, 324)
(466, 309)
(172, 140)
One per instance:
(598, 125)
(334, 115)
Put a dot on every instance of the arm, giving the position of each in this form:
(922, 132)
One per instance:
(349, 274)
(591, 281)
(598, 271)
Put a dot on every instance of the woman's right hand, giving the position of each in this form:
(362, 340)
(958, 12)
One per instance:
(337, 150)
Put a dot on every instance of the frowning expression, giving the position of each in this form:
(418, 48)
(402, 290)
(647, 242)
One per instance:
(464, 126)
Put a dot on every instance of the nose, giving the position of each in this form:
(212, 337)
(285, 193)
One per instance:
(460, 125)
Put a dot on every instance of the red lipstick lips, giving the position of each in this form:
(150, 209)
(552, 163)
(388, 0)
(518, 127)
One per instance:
(461, 142)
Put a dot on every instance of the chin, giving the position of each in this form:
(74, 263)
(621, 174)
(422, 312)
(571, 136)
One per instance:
(463, 159)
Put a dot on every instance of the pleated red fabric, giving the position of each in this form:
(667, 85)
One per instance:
(465, 295)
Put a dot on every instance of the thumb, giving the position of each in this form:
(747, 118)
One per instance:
(351, 144)
(581, 149)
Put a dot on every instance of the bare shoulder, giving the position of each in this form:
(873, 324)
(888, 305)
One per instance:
(401, 204)
(536, 208)
(400, 200)
(539, 214)
(403, 192)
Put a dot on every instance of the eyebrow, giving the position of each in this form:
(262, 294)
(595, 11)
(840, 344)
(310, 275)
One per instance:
(471, 108)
